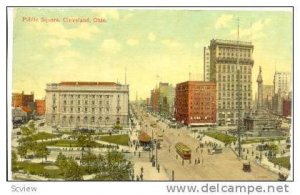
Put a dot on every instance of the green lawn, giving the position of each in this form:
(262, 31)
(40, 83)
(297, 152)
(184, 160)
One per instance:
(227, 139)
(39, 169)
(71, 143)
(116, 139)
(282, 161)
(259, 140)
(44, 136)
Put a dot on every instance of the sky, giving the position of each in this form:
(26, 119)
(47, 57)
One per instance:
(153, 45)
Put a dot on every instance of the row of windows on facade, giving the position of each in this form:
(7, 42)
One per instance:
(232, 105)
(86, 102)
(84, 119)
(87, 110)
(202, 108)
(232, 78)
(233, 67)
(85, 96)
(195, 87)
(234, 51)
(244, 95)
(201, 117)
(222, 86)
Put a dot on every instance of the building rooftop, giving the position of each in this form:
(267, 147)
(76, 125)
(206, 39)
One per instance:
(87, 83)
(231, 42)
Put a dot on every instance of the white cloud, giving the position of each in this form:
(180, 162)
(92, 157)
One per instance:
(223, 21)
(255, 31)
(81, 31)
(57, 42)
(110, 46)
(171, 43)
(133, 42)
(151, 36)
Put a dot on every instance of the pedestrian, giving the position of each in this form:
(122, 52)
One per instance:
(142, 169)
(195, 161)
(198, 160)
(139, 154)
(158, 168)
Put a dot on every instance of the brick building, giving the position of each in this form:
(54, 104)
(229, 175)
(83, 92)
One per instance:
(40, 107)
(154, 100)
(286, 107)
(195, 102)
(21, 99)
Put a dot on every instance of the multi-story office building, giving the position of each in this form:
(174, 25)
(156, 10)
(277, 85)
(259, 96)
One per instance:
(87, 105)
(166, 99)
(267, 96)
(154, 100)
(206, 63)
(195, 102)
(231, 65)
(282, 83)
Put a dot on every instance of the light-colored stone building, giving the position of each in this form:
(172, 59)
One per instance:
(282, 83)
(228, 59)
(206, 63)
(87, 105)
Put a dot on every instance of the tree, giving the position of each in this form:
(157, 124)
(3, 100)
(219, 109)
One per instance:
(22, 151)
(117, 167)
(61, 162)
(14, 160)
(84, 140)
(72, 171)
(42, 151)
(90, 160)
(25, 131)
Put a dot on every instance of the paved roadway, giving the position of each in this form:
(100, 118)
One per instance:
(225, 166)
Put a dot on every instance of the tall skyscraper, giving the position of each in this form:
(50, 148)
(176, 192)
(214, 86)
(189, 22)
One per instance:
(228, 59)
(282, 83)
(206, 64)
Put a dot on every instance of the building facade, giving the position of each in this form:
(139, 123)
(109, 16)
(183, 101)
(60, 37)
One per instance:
(40, 107)
(286, 107)
(231, 64)
(154, 100)
(21, 99)
(166, 99)
(267, 96)
(87, 105)
(206, 63)
(195, 102)
(282, 83)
